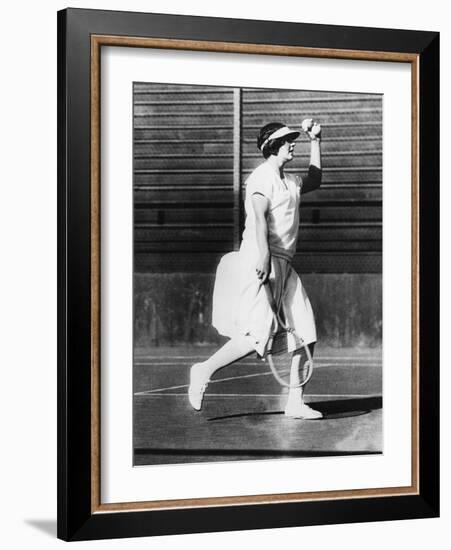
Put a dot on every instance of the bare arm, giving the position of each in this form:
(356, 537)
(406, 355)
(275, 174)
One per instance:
(313, 180)
(261, 207)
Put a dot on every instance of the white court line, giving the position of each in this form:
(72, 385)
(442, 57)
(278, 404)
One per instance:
(355, 395)
(212, 381)
(323, 357)
(228, 379)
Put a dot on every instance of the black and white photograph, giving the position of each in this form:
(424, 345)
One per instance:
(257, 253)
(224, 287)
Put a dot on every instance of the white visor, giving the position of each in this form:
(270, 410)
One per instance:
(281, 132)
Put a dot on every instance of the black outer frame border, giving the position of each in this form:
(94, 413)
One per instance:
(75, 520)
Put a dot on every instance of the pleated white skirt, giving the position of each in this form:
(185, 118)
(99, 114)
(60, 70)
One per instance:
(241, 307)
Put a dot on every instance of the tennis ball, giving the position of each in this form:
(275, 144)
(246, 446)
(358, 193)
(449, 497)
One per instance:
(316, 129)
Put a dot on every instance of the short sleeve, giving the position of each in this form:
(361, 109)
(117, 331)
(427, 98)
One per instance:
(259, 182)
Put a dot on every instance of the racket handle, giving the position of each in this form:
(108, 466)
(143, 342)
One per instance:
(272, 303)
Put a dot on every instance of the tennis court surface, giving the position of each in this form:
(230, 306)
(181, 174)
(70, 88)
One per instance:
(242, 416)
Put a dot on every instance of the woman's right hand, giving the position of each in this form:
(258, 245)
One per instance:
(312, 129)
(263, 268)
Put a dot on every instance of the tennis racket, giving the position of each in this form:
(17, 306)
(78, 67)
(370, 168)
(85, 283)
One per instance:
(287, 354)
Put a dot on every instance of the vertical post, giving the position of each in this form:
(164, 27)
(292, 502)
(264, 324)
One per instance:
(237, 202)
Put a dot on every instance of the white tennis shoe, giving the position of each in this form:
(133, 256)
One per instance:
(302, 411)
(197, 385)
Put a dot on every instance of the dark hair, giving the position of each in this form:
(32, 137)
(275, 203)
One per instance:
(273, 145)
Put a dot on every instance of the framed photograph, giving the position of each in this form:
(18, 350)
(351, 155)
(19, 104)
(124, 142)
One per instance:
(248, 274)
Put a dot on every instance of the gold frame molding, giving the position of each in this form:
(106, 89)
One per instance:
(97, 41)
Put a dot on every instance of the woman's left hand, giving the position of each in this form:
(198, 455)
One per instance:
(263, 268)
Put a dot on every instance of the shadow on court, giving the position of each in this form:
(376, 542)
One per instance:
(332, 409)
(242, 417)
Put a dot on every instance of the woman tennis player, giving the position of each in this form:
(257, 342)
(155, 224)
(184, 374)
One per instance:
(241, 309)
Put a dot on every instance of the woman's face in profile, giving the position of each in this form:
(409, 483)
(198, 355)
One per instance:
(286, 152)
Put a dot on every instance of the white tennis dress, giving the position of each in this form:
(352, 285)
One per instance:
(240, 304)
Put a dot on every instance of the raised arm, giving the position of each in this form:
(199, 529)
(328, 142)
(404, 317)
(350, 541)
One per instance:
(261, 207)
(313, 180)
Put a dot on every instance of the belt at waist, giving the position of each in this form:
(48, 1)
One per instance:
(281, 253)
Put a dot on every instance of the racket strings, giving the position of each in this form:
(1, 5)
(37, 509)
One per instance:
(288, 356)
(290, 368)
(304, 366)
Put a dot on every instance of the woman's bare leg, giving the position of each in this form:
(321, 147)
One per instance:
(296, 406)
(200, 374)
(231, 351)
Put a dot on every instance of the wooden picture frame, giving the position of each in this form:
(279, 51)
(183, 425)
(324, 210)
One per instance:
(81, 35)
